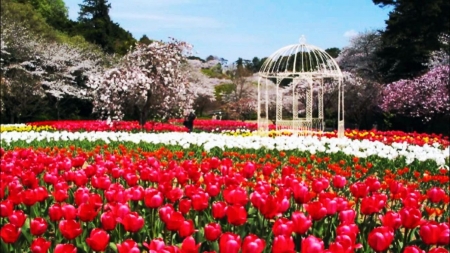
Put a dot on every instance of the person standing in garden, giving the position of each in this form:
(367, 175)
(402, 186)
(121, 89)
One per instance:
(189, 121)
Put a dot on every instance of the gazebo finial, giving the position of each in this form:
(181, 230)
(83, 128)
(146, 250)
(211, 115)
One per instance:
(302, 39)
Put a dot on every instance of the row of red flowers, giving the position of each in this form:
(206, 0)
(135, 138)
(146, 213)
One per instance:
(175, 125)
(177, 201)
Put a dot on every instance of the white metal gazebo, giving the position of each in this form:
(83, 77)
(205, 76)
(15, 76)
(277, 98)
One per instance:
(307, 68)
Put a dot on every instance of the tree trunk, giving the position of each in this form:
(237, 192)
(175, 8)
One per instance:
(144, 111)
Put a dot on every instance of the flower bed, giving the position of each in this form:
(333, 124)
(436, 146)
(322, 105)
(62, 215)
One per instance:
(228, 127)
(203, 192)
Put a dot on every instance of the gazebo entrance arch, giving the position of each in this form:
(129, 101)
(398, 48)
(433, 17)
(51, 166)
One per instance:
(305, 68)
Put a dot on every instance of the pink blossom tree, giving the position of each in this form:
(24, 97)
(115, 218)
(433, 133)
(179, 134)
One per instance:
(423, 97)
(151, 78)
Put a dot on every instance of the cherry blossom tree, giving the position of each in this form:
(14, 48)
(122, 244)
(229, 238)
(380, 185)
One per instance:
(423, 97)
(362, 80)
(151, 78)
(41, 70)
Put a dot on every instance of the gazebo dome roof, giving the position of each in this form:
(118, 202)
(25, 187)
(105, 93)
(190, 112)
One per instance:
(300, 60)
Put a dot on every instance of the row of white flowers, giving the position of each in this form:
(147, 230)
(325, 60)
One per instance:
(358, 148)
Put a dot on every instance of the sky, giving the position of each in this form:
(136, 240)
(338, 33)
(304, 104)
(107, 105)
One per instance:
(245, 28)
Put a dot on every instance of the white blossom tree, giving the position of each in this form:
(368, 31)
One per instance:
(359, 58)
(151, 78)
(362, 81)
(41, 70)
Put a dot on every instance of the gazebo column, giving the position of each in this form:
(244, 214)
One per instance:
(341, 126)
(320, 106)
(295, 96)
(309, 105)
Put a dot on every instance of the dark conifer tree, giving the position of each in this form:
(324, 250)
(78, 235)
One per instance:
(411, 34)
(95, 23)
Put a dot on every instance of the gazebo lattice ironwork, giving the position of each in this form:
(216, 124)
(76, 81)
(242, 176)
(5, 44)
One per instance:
(306, 68)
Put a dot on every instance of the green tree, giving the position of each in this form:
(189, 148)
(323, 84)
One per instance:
(411, 34)
(95, 23)
(54, 12)
(333, 51)
(145, 40)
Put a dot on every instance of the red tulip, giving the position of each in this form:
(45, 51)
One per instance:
(380, 238)
(17, 218)
(282, 226)
(253, 244)
(430, 232)
(316, 210)
(373, 204)
(237, 215)
(184, 206)
(411, 217)
(212, 231)
(438, 250)
(347, 216)
(235, 196)
(108, 220)
(165, 212)
(373, 183)
(38, 226)
(444, 237)
(283, 244)
(153, 198)
(132, 222)
(189, 245)
(436, 194)
(268, 170)
(330, 205)
(98, 239)
(200, 201)
(339, 182)
(300, 222)
(6, 208)
(342, 204)
(55, 212)
(230, 243)
(413, 249)
(312, 244)
(350, 230)
(266, 205)
(391, 219)
(40, 245)
(359, 190)
(69, 212)
(213, 189)
(65, 248)
(81, 196)
(175, 221)
(395, 187)
(319, 184)
(9, 233)
(155, 245)
(343, 243)
(136, 193)
(248, 170)
(29, 197)
(301, 193)
(128, 246)
(60, 194)
(70, 229)
(186, 229)
(87, 212)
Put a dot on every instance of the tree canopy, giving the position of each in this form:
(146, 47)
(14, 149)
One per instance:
(412, 33)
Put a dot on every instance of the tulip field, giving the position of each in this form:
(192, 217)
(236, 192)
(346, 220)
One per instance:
(90, 186)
